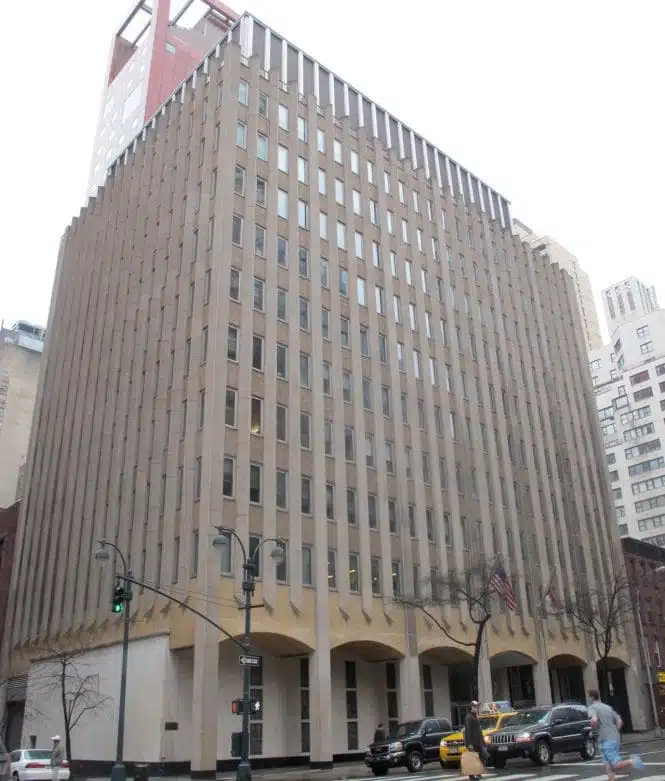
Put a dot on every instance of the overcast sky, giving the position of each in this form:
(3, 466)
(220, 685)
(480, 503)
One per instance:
(558, 104)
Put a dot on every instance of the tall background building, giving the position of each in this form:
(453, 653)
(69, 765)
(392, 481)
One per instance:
(629, 379)
(20, 358)
(627, 302)
(156, 48)
(553, 252)
(306, 322)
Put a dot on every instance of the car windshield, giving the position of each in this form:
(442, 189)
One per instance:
(37, 754)
(407, 729)
(488, 722)
(535, 716)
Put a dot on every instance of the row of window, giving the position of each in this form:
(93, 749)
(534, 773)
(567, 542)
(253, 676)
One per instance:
(281, 498)
(338, 157)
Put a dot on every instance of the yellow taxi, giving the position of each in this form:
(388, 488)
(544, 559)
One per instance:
(491, 716)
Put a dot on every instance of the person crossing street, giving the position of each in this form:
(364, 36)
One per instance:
(608, 723)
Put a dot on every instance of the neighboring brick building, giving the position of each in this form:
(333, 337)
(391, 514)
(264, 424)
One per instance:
(8, 524)
(642, 561)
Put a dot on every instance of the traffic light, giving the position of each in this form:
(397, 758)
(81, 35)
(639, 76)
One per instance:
(118, 601)
(237, 706)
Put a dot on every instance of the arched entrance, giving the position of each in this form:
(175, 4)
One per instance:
(447, 682)
(512, 678)
(280, 682)
(567, 678)
(613, 688)
(365, 692)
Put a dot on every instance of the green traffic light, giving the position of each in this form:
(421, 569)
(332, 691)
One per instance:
(118, 601)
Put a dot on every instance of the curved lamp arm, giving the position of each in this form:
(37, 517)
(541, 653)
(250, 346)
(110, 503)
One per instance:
(104, 543)
(278, 543)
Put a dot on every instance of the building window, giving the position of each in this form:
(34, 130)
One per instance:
(230, 407)
(261, 146)
(354, 573)
(375, 574)
(332, 568)
(282, 489)
(304, 700)
(255, 483)
(305, 495)
(428, 691)
(241, 135)
(307, 565)
(396, 572)
(236, 230)
(352, 741)
(228, 477)
(302, 129)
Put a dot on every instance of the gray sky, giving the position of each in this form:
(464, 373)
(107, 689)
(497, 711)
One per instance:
(555, 103)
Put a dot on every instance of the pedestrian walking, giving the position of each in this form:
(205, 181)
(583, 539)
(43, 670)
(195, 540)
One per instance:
(473, 736)
(379, 734)
(57, 757)
(608, 723)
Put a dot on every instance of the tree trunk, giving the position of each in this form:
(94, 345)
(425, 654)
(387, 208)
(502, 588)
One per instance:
(480, 631)
(65, 713)
(603, 679)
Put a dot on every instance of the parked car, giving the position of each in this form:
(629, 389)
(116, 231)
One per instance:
(452, 746)
(5, 763)
(34, 764)
(411, 745)
(541, 733)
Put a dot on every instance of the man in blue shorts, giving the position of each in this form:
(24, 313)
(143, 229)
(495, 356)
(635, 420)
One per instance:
(607, 722)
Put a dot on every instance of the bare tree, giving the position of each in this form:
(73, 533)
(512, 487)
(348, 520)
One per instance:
(600, 613)
(472, 587)
(64, 673)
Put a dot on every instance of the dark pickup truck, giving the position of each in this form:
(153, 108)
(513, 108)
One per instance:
(411, 745)
(540, 733)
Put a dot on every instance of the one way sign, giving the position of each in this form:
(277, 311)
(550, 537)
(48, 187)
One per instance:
(249, 660)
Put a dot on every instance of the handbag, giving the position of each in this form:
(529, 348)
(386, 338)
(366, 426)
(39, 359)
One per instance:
(472, 764)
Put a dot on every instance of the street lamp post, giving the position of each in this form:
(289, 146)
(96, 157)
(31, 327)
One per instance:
(222, 540)
(119, 772)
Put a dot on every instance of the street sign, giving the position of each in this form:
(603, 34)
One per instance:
(249, 660)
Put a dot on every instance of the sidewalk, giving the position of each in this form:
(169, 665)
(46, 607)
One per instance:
(634, 738)
(349, 770)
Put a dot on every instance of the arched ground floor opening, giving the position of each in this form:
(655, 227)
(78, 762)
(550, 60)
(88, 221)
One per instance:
(316, 706)
(447, 682)
(613, 686)
(566, 673)
(513, 678)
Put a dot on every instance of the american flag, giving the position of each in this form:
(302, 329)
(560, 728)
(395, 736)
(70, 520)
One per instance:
(503, 588)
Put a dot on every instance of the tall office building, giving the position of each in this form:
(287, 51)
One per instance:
(156, 48)
(288, 314)
(627, 301)
(553, 252)
(629, 379)
(21, 350)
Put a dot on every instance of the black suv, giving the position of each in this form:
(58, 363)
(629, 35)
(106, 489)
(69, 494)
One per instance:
(410, 745)
(540, 733)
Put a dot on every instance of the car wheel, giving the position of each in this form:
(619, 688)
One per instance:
(542, 753)
(589, 748)
(414, 761)
(499, 762)
(380, 771)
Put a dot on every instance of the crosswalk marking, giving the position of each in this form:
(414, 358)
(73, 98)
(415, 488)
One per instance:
(435, 774)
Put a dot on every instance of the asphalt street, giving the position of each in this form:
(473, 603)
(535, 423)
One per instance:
(564, 768)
